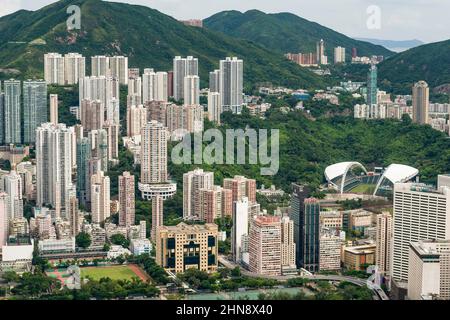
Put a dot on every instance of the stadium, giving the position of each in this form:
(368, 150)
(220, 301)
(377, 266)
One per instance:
(353, 177)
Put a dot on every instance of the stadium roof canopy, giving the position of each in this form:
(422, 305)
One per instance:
(396, 173)
(341, 169)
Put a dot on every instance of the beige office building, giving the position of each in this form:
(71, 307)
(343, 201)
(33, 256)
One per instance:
(100, 197)
(181, 247)
(126, 200)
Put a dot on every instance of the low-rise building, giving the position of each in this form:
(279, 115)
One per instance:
(140, 246)
(56, 246)
(359, 257)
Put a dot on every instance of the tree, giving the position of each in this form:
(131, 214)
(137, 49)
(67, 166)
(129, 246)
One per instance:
(83, 240)
(10, 276)
(236, 272)
(119, 239)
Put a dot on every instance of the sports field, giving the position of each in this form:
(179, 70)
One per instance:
(363, 189)
(112, 272)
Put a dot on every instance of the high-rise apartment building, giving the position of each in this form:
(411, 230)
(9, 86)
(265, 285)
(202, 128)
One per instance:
(113, 133)
(154, 86)
(241, 187)
(118, 66)
(330, 250)
(100, 197)
(429, 270)
(182, 67)
(4, 218)
(54, 68)
(383, 237)
(193, 181)
(181, 247)
(2, 115)
(214, 107)
(92, 114)
(181, 120)
(53, 164)
(12, 184)
(420, 102)
(54, 108)
(287, 244)
(34, 108)
(83, 156)
(157, 215)
(339, 55)
(420, 212)
(154, 179)
(136, 120)
(126, 200)
(100, 66)
(214, 81)
(264, 245)
(231, 84)
(105, 89)
(74, 217)
(12, 123)
(191, 90)
(98, 140)
(135, 89)
(74, 68)
(215, 203)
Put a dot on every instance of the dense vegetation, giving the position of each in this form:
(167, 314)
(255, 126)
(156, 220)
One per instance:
(286, 32)
(430, 62)
(148, 37)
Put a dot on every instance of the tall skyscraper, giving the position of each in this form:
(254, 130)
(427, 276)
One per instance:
(100, 197)
(239, 230)
(154, 179)
(191, 90)
(170, 84)
(182, 67)
(299, 194)
(105, 89)
(339, 55)
(157, 215)
(321, 58)
(53, 164)
(74, 68)
(265, 245)
(12, 112)
(118, 66)
(215, 203)
(98, 139)
(383, 237)
(83, 156)
(34, 108)
(287, 244)
(309, 235)
(113, 133)
(420, 212)
(372, 87)
(421, 102)
(54, 108)
(214, 81)
(231, 84)
(126, 200)
(135, 89)
(193, 181)
(214, 107)
(54, 68)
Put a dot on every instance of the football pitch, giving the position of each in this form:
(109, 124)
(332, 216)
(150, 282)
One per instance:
(112, 272)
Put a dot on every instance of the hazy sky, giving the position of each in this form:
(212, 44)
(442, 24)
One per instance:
(426, 20)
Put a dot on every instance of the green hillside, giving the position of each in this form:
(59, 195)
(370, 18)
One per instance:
(286, 32)
(430, 62)
(148, 37)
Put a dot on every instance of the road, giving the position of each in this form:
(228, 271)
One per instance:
(379, 293)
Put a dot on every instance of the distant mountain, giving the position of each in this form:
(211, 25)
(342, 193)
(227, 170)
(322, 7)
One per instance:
(429, 62)
(286, 32)
(394, 45)
(148, 37)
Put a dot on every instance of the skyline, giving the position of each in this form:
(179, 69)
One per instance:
(348, 17)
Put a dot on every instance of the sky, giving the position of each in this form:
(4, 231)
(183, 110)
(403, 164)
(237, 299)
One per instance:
(426, 20)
